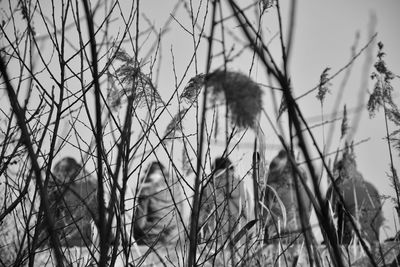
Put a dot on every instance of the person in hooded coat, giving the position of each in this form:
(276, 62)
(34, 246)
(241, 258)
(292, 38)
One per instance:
(157, 216)
(361, 199)
(282, 222)
(223, 208)
(72, 195)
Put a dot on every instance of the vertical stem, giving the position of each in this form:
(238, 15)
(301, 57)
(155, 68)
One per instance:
(228, 184)
(323, 140)
(196, 197)
(256, 175)
(100, 194)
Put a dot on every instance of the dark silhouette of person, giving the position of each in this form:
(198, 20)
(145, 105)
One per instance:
(282, 215)
(73, 203)
(361, 199)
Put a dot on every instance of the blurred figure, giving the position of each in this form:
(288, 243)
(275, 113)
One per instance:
(156, 217)
(73, 203)
(282, 205)
(224, 208)
(361, 199)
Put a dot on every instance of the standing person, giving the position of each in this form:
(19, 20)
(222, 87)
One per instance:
(361, 199)
(73, 203)
(72, 196)
(157, 212)
(283, 206)
(223, 209)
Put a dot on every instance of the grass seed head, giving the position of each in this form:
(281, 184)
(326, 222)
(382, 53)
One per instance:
(324, 84)
(242, 95)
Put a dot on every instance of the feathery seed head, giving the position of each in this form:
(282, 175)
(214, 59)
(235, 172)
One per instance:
(242, 95)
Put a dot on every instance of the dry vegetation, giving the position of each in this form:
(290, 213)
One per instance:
(83, 114)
